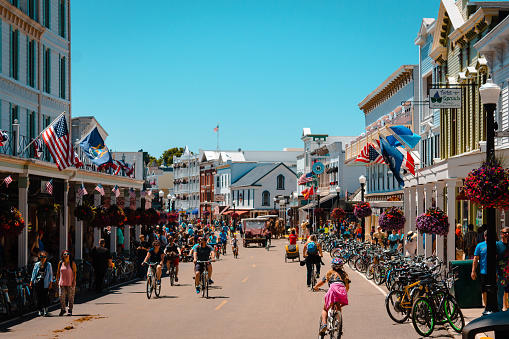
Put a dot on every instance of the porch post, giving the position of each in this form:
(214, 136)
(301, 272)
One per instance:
(420, 209)
(428, 192)
(451, 213)
(127, 228)
(78, 247)
(23, 182)
(113, 234)
(97, 231)
(64, 221)
(407, 209)
(439, 186)
(138, 205)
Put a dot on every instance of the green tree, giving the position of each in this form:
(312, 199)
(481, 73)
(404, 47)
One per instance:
(168, 155)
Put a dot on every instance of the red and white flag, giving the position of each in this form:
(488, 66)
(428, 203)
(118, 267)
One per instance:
(49, 187)
(8, 180)
(57, 139)
(77, 161)
(37, 148)
(408, 162)
(363, 156)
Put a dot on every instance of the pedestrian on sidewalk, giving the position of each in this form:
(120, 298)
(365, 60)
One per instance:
(469, 242)
(503, 262)
(42, 281)
(66, 277)
(101, 259)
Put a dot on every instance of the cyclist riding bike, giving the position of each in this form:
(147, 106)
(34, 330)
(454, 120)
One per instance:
(223, 239)
(339, 284)
(172, 252)
(156, 255)
(213, 240)
(202, 252)
(235, 244)
(312, 256)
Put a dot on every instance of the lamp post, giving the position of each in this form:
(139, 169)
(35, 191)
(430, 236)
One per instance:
(338, 192)
(362, 181)
(282, 202)
(490, 93)
(161, 198)
(275, 199)
(234, 202)
(318, 217)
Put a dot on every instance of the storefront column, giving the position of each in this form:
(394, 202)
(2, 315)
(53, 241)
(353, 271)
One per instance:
(113, 234)
(439, 187)
(78, 247)
(406, 210)
(138, 205)
(64, 220)
(127, 231)
(451, 213)
(412, 208)
(23, 183)
(428, 194)
(419, 196)
(97, 231)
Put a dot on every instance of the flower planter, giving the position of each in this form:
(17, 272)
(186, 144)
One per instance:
(11, 222)
(84, 213)
(433, 221)
(392, 219)
(488, 185)
(362, 210)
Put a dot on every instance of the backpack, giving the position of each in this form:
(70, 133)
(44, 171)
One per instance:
(312, 249)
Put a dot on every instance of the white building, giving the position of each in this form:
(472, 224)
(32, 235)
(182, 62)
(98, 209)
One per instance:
(186, 181)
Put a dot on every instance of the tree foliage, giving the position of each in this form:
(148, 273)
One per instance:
(168, 155)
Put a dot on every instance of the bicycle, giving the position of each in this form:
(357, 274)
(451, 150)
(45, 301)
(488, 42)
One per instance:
(173, 274)
(313, 275)
(334, 323)
(152, 286)
(235, 251)
(5, 301)
(24, 295)
(217, 250)
(204, 280)
(223, 245)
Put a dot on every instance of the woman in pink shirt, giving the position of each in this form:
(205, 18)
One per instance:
(66, 277)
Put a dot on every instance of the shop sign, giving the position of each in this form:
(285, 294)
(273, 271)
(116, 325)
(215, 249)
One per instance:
(445, 98)
(219, 197)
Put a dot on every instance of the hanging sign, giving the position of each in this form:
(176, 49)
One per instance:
(318, 168)
(445, 98)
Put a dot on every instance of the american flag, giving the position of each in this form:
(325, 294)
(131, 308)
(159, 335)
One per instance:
(100, 189)
(116, 190)
(82, 190)
(8, 180)
(37, 148)
(305, 178)
(216, 129)
(57, 139)
(49, 186)
(364, 155)
(4, 137)
(374, 155)
(132, 193)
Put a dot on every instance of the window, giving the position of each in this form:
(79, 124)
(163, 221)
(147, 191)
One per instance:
(218, 181)
(47, 11)
(280, 182)
(31, 62)
(47, 70)
(62, 77)
(14, 55)
(32, 9)
(265, 198)
(31, 125)
(62, 15)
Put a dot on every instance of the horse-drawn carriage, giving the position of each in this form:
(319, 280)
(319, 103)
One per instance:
(275, 224)
(255, 231)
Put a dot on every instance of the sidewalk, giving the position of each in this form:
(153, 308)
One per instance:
(471, 314)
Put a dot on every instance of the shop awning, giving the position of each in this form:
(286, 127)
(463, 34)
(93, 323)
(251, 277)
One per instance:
(220, 209)
(242, 212)
(227, 212)
(195, 211)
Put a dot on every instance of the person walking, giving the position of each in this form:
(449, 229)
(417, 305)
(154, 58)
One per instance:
(503, 261)
(469, 242)
(66, 277)
(101, 260)
(42, 281)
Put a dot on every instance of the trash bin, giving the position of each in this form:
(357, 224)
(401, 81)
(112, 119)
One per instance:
(466, 291)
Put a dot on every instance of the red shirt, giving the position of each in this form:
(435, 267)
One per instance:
(293, 239)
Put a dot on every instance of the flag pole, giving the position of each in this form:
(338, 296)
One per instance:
(383, 136)
(44, 130)
(217, 147)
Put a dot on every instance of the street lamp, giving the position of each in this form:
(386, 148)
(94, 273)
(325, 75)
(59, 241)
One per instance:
(275, 199)
(338, 192)
(490, 94)
(362, 181)
(173, 198)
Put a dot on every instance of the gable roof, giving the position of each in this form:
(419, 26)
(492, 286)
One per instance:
(252, 177)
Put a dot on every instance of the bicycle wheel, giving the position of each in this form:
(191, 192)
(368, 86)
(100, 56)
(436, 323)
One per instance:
(172, 276)
(335, 253)
(437, 299)
(377, 275)
(336, 329)
(158, 289)
(423, 318)
(149, 287)
(351, 261)
(20, 303)
(369, 271)
(396, 311)
(321, 336)
(313, 277)
(453, 314)
(203, 284)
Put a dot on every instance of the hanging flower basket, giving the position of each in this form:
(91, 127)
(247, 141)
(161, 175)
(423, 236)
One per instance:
(11, 222)
(172, 217)
(117, 216)
(319, 212)
(133, 217)
(392, 219)
(206, 213)
(338, 213)
(163, 217)
(154, 216)
(102, 217)
(84, 213)
(46, 212)
(433, 221)
(235, 215)
(362, 210)
(145, 218)
(488, 185)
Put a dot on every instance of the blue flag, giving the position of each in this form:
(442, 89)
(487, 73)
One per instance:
(393, 158)
(94, 147)
(405, 134)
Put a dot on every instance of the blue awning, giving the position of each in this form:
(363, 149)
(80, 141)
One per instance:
(195, 211)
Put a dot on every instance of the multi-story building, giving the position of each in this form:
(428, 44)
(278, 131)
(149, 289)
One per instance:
(186, 181)
(462, 29)
(391, 103)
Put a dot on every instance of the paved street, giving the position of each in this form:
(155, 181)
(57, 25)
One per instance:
(255, 296)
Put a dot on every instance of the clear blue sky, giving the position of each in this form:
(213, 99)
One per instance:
(163, 75)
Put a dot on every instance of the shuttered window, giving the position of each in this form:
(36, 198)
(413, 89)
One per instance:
(14, 54)
(62, 76)
(31, 62)
(47, 70)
